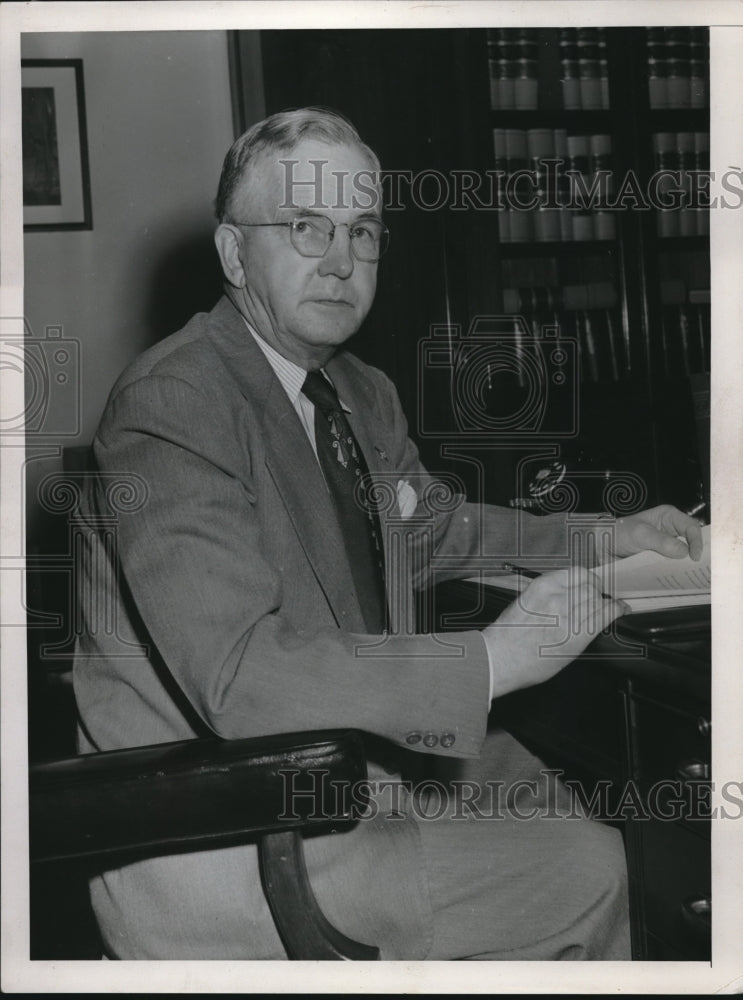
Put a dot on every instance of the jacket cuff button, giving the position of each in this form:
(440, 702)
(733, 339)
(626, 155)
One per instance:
(413, 738)
(430, 740)
(448, 740)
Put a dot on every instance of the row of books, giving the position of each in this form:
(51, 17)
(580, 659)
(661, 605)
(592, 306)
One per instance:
(685, 335)
(675, 292)
(678, 157)
(678, 67)
(603, 354)
(539, 300)
(553, 186)
(579, 346)
(584, 69)
(605, 357)
(513, 64)
(555, 225)
(603, 349)
(597, 272)
(588, 314)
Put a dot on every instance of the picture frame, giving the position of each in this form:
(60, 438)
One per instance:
(56, 179)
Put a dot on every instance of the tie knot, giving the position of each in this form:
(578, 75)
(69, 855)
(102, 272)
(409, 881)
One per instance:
(320, 392)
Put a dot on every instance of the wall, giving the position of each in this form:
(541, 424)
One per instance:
(159, 121)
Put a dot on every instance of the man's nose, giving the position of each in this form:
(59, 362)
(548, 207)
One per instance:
(338, 259)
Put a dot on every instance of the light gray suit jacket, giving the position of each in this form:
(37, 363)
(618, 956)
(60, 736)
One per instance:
(218, 598)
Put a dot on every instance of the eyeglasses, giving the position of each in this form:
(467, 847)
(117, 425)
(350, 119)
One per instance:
(311, 236)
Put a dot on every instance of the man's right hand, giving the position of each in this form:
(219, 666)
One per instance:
(551, 622)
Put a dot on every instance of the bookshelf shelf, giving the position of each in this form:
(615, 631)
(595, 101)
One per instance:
(580, 121)
(561, 248)
(677, 119)
(676, 244)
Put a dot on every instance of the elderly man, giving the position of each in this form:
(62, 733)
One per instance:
(258, 579)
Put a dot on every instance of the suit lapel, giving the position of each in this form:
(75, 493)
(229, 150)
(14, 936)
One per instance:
(299, 481)
(291, 463)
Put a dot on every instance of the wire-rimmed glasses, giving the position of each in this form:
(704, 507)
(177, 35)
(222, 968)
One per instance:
(311, 235)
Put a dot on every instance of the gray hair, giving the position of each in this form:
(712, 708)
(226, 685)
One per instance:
(281, 133)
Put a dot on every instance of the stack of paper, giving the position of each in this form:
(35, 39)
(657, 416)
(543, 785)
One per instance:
(649, 581)
(646, 581)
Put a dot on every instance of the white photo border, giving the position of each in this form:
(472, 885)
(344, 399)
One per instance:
(725, 973)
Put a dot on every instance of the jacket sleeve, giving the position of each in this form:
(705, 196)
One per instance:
(192, 562)
(471, 538)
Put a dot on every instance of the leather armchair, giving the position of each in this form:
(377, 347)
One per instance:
(193, 794)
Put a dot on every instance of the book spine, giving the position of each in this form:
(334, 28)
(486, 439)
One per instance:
(503, 67)
(621, 337)
(493, 36)
(569, 69)
(603, 69)
(541, 147)
(526, 93)
(519, 220)
(699, 67)
(604, 224)
(685, 328)
(666, 159)
(578, 157)
(679, 67)
(589, 69)
(701, 163)
(657, 69)
(501, 168)
(560, 136)
(686, 161)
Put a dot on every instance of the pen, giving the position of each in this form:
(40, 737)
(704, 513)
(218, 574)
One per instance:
(532, 574)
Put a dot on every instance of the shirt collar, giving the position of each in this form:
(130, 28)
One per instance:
(290, 375)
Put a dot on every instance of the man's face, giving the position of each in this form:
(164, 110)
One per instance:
(306, 307)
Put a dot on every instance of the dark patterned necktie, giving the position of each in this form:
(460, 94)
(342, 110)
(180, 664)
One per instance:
(347, 475)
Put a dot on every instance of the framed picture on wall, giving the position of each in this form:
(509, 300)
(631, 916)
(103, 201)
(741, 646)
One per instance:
(56, 182)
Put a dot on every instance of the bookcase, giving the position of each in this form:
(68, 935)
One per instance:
(600, 242)
(539, 306)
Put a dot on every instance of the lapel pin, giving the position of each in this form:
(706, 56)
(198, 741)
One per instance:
(381, 452)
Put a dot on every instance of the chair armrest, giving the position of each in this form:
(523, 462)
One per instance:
(192, 793)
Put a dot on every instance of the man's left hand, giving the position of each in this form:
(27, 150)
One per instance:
(663, 529)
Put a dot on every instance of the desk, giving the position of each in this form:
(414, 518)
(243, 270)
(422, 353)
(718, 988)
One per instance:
(630, 723)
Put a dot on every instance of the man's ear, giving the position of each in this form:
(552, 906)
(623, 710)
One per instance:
(228, 242)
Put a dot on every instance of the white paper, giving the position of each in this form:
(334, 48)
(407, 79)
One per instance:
(649, 574)
(647, 581)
